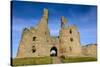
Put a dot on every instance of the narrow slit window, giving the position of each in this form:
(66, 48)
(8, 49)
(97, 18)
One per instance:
(33, 49)
(70, 31)
(45, 33)
(34, 38)
(71, 39)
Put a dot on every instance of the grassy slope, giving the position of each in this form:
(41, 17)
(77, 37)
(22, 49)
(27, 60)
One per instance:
(48, 60)
(31, 61)
(78, 59)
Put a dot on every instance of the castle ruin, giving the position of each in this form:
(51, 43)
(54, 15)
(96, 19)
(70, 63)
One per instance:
(37, 42)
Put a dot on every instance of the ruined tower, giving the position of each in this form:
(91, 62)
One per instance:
(69, 40)
(34, 41)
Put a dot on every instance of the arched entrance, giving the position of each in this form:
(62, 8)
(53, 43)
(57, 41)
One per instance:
(53, 51)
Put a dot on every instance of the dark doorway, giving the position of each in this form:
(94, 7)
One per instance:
(53, 51)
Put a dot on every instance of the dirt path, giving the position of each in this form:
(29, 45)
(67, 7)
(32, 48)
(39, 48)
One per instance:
(56, 60)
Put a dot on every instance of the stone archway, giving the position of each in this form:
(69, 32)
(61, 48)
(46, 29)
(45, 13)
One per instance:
(53, 51)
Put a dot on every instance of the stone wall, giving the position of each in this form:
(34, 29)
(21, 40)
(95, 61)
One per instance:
(69, 41)
(90, 50)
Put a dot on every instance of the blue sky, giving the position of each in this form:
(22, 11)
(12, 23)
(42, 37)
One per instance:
(28, 14)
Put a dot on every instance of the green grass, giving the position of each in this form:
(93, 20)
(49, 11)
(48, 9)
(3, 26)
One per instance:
(77, 59)
(31, 61)
(48, 60)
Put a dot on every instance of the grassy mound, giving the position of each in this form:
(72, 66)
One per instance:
(31, 61)
(77, 59)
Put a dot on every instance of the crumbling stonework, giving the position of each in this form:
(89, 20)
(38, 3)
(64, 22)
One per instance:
(90, 50)
(37, 42)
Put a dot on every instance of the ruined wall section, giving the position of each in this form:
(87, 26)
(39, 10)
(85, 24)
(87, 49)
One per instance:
(90, 50)
(25, 44)
(37, 38)
(69, 41)
(43, 35)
